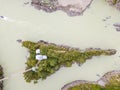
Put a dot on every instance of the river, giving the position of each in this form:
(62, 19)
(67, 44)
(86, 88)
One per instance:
(89, 30)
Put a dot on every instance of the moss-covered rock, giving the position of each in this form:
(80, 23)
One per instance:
(1, 76)
(58, 56)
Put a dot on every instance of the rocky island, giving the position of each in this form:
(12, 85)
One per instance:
(71, 7)
(55, 57)
(109, 81)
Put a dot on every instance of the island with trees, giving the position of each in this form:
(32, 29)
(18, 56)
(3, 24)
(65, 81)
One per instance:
(47, 58)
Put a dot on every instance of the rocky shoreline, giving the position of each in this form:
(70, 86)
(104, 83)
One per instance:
(72, 8)
(1, 76)
(109, 51)
(103, 81)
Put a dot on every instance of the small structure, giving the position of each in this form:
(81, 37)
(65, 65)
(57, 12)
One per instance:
(38, 56)
(37, 51)
(34, 68)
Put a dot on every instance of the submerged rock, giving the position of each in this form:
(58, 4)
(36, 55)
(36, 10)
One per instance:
(117, 26)
(39, 57)
(71, 7)
(56, 57)
(109, 81)
(118, 29)
(19, 41)
(1, 76)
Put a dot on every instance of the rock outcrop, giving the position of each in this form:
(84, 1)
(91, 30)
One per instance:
(71, 7)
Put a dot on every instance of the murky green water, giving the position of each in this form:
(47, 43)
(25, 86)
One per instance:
(85, 31)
